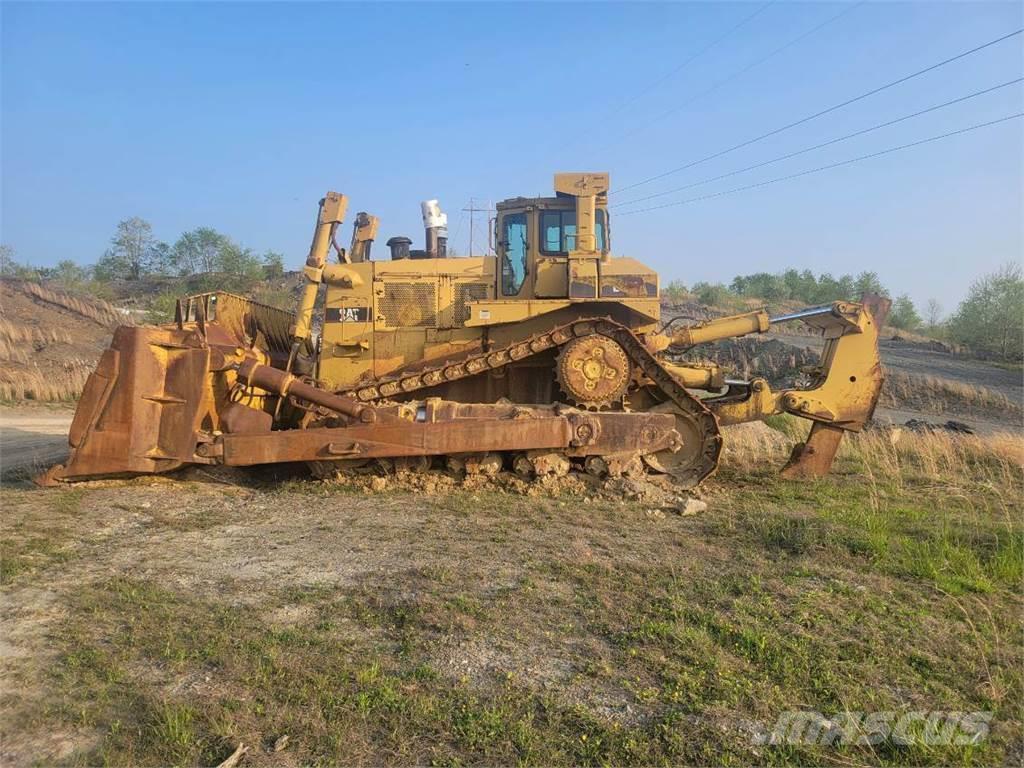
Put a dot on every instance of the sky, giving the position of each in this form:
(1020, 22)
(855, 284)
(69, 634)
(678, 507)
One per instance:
(240, 116)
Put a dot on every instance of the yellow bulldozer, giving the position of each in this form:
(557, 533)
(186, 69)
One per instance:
(548, 355)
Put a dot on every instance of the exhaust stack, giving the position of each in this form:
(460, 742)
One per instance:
(436, 225)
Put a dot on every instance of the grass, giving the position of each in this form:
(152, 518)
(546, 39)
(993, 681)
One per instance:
(501, 629)
(89, 307)
(21, 378)
(30, 382)
(29, 545)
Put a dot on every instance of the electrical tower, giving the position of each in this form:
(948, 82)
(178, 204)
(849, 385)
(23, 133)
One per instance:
(473, 210)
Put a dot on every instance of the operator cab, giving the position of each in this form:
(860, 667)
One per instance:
(551, 247)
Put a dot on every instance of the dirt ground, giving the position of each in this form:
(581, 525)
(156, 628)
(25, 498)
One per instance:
(159, 621)
(919, 361)
(914, 359)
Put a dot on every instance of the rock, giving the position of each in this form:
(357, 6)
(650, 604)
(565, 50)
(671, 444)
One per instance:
(633, 490)
(958, 426)
(691, 506)
(378, 484)
(920, 425)
(281, 743)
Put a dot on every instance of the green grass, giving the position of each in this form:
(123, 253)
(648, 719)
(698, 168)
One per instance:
(28, 546)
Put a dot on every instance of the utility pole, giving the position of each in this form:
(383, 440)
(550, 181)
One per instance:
(473, 210)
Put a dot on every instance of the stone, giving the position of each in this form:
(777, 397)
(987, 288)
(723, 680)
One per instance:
(692, 506)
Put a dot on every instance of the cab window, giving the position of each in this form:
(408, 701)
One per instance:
(558, 232)
(513, 260)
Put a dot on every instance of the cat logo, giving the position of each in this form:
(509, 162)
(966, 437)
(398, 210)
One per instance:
(347, 314)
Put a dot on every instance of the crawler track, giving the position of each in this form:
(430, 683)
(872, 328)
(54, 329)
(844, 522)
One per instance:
(702, 441)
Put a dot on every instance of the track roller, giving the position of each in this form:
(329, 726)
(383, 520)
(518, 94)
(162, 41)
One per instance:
(475, 463)
(540, 463)
(616, 465)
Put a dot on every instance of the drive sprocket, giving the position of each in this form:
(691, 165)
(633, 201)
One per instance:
(593, 371)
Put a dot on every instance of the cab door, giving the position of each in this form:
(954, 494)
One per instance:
(556, 237)
(513, 251)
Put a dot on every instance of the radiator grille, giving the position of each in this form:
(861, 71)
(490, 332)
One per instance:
(408, 305)
(464, 294)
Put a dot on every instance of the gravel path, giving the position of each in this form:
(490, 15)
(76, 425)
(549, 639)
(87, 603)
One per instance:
(32, 439)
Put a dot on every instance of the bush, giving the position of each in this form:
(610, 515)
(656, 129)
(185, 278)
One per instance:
(991, 318)
(676, 291)
(904, 314)
(711, 294)
(804, 286)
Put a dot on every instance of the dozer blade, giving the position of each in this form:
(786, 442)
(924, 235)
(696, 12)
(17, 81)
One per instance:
(142, 406)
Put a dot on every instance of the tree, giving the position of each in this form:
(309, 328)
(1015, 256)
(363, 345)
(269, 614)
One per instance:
(163, 258)
(933, 313)
(205, 251)
(904, 314)
(68, 273)
(273, 265)
(846, 288)
(7, 263)
(199, 251)
(240, 262)
(804, 286)
(132, 253)
(11, 268)
(991, 318)
(710, 294)
(868, 282)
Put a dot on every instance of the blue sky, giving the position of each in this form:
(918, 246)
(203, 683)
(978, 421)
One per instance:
(239, 116)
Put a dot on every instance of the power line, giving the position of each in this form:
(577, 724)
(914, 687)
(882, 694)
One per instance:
(816, 115)
(739, 73)
(826, 167)
(731, 31)
(680, 67)
(780, 158)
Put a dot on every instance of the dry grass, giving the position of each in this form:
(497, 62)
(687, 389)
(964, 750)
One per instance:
(934, 394)
(17, 341)
(940, 457)
(97, 310)
(32, 383)
(62, 373)
(894, 455)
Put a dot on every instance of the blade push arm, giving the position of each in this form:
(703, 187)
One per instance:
(332, 213)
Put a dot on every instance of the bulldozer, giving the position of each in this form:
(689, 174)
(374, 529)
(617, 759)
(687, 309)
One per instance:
(547, 354)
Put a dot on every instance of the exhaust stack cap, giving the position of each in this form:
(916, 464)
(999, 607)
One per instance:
(433, 218)
(399, 247)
